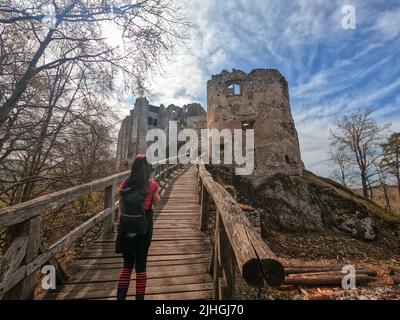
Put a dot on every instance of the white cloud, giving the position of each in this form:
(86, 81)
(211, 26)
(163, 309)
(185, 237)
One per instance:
(331, 71)
(388, 24)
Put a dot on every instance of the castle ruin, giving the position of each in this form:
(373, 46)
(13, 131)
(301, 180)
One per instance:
(260, 101)
(144, 116)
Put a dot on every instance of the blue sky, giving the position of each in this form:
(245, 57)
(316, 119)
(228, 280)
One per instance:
(331, 71)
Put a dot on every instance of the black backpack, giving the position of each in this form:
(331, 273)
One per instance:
(133, 218)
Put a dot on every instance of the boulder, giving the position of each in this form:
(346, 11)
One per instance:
(361, 228)
(303, 204)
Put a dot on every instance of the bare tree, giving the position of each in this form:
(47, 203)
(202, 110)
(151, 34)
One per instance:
(360, 136)
(343, 168)
(57, 75)
(150, 29)
(66, 99)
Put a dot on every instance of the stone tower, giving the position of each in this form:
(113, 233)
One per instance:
(260, 101)
(132, 134)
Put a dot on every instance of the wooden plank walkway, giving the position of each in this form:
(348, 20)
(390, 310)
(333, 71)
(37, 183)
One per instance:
(178, 257)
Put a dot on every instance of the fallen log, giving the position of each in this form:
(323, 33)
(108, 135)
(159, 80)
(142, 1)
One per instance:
(320, 269)
(308, 265)
(324, 279)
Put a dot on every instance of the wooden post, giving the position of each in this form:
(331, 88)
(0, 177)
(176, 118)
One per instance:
(216, 262)
(109, 202)
(205, 208)
(210, 268)
(168, 167)
(200, 191)
(164, 167)
(226, 260)
(26, 288)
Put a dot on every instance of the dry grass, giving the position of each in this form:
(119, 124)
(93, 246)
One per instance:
(394, 199)
(379, 198)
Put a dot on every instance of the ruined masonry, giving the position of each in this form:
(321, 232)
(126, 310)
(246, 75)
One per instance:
(144, 116)
(260, 101)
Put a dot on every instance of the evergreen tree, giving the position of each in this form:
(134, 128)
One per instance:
(391, 156)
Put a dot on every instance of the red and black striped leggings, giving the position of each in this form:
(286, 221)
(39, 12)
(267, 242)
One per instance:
(135, 251)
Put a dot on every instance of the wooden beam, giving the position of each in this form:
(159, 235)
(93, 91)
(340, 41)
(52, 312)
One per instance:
(67, 240)
(24, 290)
(13, 257)
(10, 282)
(205, 208)
(255, 260)
(272, 269)
(109, 203)
(216, 265)
(226, 259)
(11, 262)
(21, 212)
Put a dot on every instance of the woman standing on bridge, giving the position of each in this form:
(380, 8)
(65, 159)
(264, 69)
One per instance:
(134, 247)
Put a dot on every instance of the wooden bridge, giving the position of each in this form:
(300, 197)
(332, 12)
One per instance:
(185, 262)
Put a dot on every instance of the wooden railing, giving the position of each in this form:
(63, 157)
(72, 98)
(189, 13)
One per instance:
(235, 240)
(26, 254)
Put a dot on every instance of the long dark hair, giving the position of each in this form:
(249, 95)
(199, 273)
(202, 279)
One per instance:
(141, 170)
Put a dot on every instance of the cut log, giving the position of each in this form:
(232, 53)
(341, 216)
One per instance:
(318, 269)
(324, 279)
(312, 265)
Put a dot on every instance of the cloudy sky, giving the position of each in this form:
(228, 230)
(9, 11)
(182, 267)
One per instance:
(331, 71)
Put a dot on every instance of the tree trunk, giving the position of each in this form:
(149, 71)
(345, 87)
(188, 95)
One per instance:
(386, 195)
(343, 176)
(23, 83)
(364, 184)
(398, 171)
